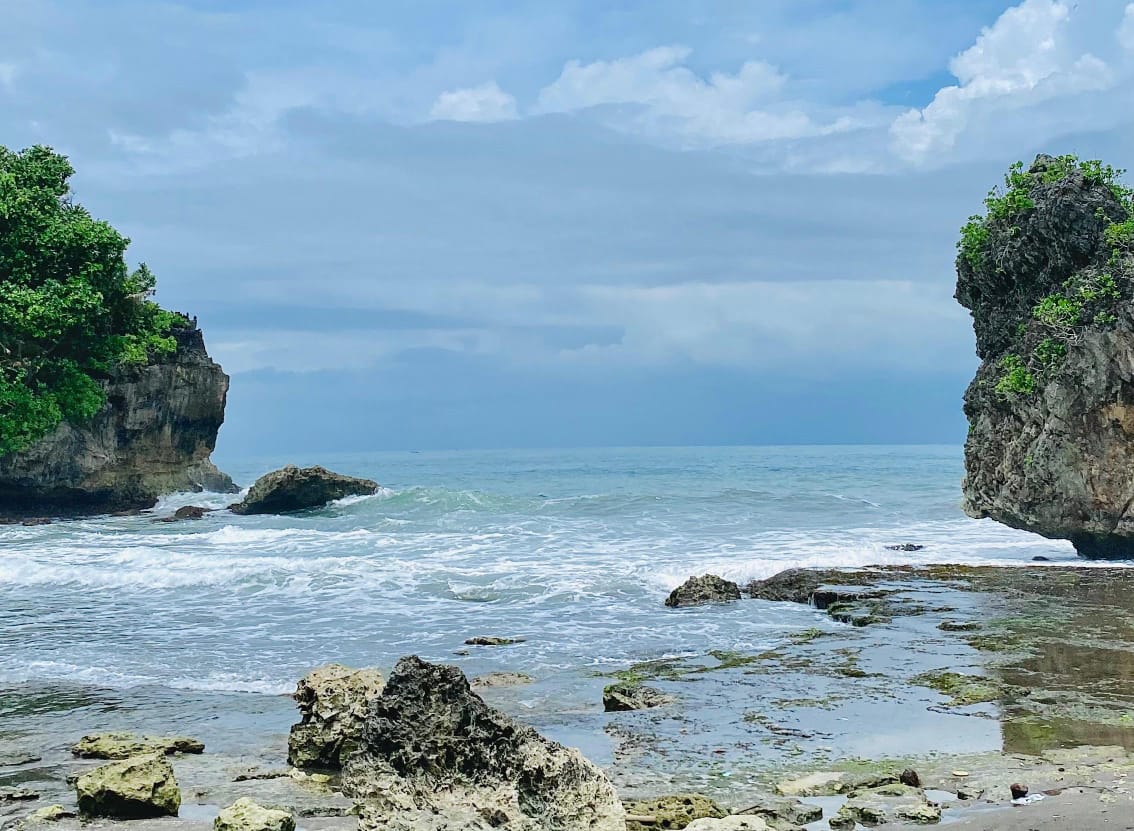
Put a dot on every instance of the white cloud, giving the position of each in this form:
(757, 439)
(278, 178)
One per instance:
(1126, 28)
(655, 93)
(1028, 56)
(485, 103)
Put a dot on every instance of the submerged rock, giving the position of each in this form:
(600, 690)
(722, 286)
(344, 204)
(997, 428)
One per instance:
(296, 489)
(501, 679)
(125, 745)
(246, 815)
(785, 813)
(135, 788)
(333, 704)
(675, 811)
(492, 640)
(630, 696)
(1047, 276)
(708, 588)
(887, 804)
(186, 512)
(18, 794)
(435, 756)
(153, 436)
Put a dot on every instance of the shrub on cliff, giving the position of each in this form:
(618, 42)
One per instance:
(71, 311)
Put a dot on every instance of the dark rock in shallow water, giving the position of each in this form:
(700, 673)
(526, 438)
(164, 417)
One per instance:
(490, 640)
(628, 696)
(333, 703)
(906, 546)
(153, 436)
(434, 755)
(1051, 419)
(297, 489)
(186, 512)
(708, 588)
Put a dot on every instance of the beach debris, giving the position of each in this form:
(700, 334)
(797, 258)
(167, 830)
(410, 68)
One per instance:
(501, 679)
(675, 811)
(491, 640)
(333, 702)
(125, 745)
(698, 591)
(1028, 799)
(291, 489)
(1018, 791)
(910, 777)
(960, 774)
(433, 754)
(246, 815)
(626, 695)
(137, 788)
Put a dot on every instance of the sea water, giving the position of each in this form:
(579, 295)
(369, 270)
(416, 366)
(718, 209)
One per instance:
(572, 550)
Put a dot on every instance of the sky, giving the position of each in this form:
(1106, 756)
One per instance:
(418, 224)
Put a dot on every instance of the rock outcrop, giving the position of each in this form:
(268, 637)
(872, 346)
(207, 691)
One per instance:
(293, 488)
(333, 704)
(1047, 278)
(698, 591)
(125, 745)
(626, 695)
(153, 436)
(435, 756)
(136, 788)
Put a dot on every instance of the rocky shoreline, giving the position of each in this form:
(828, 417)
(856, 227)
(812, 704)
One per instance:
(975, 678)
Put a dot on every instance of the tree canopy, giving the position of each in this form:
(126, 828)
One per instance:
(71, 311)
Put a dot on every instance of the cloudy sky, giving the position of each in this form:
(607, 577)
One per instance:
(425, 224)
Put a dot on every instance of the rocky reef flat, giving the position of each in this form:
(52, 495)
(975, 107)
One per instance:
(976, 679)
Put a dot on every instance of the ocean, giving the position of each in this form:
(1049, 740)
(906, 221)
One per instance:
(572, 550)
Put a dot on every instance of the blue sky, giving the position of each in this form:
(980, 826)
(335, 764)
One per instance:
(447, 224)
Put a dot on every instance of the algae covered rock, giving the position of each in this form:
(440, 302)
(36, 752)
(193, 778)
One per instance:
(1047, 276)
(136, 788)
(333, 701)
(895, 803)
(435, 756)
(627, 695)
(125, 745)
(246, 815)
(49, 813)
(675, 811)
(708, 588)
(297, 489)
(493, 680)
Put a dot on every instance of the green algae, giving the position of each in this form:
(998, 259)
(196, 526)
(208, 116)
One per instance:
(963, 690)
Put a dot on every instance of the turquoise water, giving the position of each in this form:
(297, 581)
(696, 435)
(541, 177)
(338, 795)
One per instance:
(573, 550)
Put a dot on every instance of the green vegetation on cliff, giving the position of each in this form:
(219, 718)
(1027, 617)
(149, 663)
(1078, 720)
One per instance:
(71, 311)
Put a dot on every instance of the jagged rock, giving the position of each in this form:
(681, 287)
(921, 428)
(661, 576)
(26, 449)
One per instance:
(708, 588)
(125, 745)
(246, 815)
(333, 703)
(733, 823)
(296, 489)
(186, 512)
(435, 756)
(812, 586)
(905, 546)
(894, 803)
(1051, 418)
(629, 696)
(135, 788)
(501, 679)
(491, 640)
(152, 437)
(675, 811)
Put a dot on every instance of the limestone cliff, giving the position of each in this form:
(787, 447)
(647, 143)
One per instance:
(153, 436)
(1047, 277)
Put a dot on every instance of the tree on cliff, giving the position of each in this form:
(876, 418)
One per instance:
(71, 311)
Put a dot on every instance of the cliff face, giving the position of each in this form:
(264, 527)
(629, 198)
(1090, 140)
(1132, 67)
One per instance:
(1051, 410)
(153, 436)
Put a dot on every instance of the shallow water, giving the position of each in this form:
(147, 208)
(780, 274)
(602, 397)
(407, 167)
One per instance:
(572, 550)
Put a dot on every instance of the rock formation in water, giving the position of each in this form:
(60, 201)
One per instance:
(435, 756)
(292, 488)
(153, 436)
(333, 703)
(1047, 276)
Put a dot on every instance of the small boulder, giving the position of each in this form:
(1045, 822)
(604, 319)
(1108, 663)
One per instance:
(491, 640)
(125, 745)
(186, 512)
(906, 546)
(628, 696)
(246, 815)
(894, 803)
(708, 588)
(137, 788)
(434, 755)
(785, 813)
(675, 811)
(49, 813)
(910, 777)
(333, 702)
(501, 679)
(297, 489)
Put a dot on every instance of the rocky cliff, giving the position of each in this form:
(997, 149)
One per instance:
(153, 436)
(1047, 275)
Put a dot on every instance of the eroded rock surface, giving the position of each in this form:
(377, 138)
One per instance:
(698, 591)
(1047, 278)
(247, 815)
(293, 488)
(435, 756)
(630, 696)
(125, 745)
(153, 436)
(333, 704)
(135, 788)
